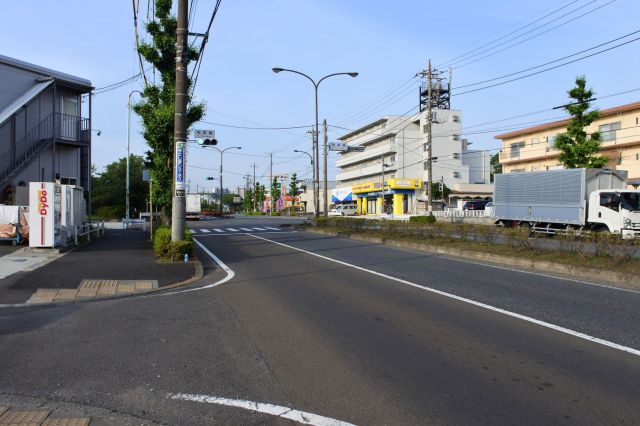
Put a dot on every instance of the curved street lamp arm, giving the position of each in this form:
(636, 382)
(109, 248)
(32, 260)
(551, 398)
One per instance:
(296, 72)
(351, 74)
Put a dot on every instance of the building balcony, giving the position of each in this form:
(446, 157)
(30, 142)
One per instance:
(367, 154)
(362, 172)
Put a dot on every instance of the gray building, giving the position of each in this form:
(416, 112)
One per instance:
(43, 136)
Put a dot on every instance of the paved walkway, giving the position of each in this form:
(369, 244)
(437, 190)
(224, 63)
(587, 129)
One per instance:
(120, 255)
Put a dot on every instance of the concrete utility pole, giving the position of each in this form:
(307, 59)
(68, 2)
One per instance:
(270, 183)
(255, 185)
(429, 140)
(326, 191)
(180, 124)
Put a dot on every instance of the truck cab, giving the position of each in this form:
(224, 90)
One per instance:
(617, 210)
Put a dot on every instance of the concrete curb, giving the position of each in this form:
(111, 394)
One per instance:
(614, 279)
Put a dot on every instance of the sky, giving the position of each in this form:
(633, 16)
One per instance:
(386, 42)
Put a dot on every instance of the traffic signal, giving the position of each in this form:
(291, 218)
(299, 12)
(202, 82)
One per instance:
(441, 187)
(207, 141)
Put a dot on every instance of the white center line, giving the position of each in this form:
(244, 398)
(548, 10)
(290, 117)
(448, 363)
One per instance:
(218, 230)
(260, 407)
(232, 229)
(472, 302)
(272, 228)
(259, 229)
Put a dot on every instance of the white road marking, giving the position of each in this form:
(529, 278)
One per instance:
(260, 407)
(246, 233)
(194, 230)
(218, 230)
(472, 302)
(246, 229)
(272, 228)
(232, 229)
(206, 231)
(259, 229)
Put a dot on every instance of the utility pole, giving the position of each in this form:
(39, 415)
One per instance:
(326, 191)
(313, 168)
(382, 182)
(271, 183)
(255, 186)
(180, 124)
(429, 140)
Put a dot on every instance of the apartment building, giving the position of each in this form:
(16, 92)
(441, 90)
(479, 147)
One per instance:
(43, 135)
(533, 148)
(396, 153)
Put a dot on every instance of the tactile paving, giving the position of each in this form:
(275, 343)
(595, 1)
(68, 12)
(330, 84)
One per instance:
(82, 421)
(17, 417)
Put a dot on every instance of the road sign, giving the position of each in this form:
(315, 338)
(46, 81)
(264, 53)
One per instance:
(181, 168)
(205, 137)
(338, 146)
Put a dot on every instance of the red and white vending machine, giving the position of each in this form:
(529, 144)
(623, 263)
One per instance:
(44, 214)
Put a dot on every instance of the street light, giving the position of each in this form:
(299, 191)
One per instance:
(316, 169)
(313, 186)
(221, 151)
(126, 213)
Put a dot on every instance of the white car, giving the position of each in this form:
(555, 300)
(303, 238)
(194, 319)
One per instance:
(344, 210)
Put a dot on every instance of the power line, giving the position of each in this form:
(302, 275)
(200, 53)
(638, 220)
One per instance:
(547, 69)
(205, 39)
(255, 128)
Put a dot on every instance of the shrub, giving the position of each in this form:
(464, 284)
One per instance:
(428, 220)
(166, 249)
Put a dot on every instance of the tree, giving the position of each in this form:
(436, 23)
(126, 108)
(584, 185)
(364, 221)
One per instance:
(496, 167)
(108, 189)
(157, 107)
(260, 191)
(275, 190)
(577, 149)
(293, 186)
(247, 201)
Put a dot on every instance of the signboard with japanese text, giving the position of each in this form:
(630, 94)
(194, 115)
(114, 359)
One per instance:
(181, 169)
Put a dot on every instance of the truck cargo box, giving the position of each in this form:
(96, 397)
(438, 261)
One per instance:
(552, 196)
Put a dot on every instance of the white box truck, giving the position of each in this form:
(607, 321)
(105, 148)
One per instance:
(559, 201)
(193, 206)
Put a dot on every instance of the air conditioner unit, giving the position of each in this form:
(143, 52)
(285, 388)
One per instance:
(456, 174)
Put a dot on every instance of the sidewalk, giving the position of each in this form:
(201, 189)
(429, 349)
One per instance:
(120, 255)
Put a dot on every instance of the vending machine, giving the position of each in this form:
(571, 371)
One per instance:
(45, 214)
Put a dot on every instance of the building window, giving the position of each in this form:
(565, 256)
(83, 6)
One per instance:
(455, 118)
(535, 141)
(515, 149)
(456, 174)
(392, 159)
(517, 171)
(608, 131)
(456, 155)
(455, 137)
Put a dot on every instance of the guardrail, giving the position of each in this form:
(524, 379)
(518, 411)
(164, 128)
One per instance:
(88, 229)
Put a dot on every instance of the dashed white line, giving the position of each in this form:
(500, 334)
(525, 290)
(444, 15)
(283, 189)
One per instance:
(259, 229)
(272, 228)
(232, 229)
(218, 230)
(469, 301)
(246, 229)
(260, 407)
(206, 231)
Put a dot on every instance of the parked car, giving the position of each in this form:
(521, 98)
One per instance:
(475, 205)
(344, 210)
(488, 209)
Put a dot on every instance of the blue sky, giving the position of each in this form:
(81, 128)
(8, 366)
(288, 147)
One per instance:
(387, 42)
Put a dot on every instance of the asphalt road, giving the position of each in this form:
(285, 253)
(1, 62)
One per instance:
(363, 345)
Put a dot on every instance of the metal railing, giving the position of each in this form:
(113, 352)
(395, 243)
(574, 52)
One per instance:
(55, 126)
(88, 229)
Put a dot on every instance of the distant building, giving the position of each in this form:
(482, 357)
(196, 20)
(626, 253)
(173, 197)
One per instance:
(533, 149)
(43, 135)
(396, 147)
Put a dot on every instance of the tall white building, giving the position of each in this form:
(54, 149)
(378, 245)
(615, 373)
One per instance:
(397, 147)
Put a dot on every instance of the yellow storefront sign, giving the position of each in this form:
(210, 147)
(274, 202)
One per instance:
(389, 184)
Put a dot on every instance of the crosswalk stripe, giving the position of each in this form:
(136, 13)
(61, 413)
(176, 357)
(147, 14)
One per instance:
(232, 229)
(272, 228)
(218, 230)
(206, 231)
(259, 229)
(194, 230)
(246, 229)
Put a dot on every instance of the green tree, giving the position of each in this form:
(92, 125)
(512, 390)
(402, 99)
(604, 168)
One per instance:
(293, 185)
(437, 194)
(109, 188)
(496, 167)
(247, 201)
(157, 107)
(260, 191)
(275, 190)
(577, 148)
